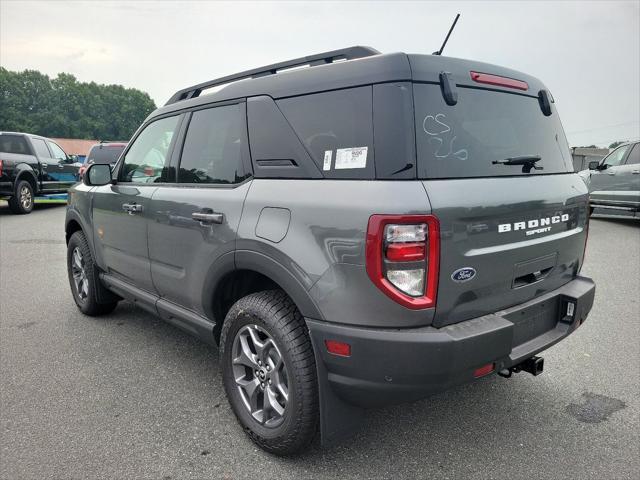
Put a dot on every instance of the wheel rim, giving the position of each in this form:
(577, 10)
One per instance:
(260, 375)
(25, 197)
(79, 274)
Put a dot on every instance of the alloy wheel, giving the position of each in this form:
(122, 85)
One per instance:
(261, 375)
(26, 199)
(79, 274)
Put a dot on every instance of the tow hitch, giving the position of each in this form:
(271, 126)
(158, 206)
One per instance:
(533, 365)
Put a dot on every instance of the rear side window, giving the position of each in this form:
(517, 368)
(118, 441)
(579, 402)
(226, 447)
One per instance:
(212, 152)
(15, 144)
(484, 126)
(337, 130)
(40, 148)
(105, 154)
(634, 156)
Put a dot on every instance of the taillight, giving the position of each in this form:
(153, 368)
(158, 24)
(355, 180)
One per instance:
(402, 257)
(499, 81)
(0, 168)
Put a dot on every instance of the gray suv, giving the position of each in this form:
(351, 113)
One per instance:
(365, 231)
(614, 182)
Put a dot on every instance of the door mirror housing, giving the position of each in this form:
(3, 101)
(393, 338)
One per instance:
(72, 158)
(594, 165)
(97, 174)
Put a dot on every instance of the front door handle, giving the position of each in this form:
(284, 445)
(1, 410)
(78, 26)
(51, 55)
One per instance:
(635, 172)
(611, 173)
(207, 218)
(131, 208)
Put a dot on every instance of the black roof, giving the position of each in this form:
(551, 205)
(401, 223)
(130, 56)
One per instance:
(361, 66)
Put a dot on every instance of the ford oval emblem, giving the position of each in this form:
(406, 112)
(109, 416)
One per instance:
(463, 274)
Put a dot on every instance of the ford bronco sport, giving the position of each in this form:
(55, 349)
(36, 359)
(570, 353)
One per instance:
(365, 231)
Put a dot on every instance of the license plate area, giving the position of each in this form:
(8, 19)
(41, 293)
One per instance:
(535, 320)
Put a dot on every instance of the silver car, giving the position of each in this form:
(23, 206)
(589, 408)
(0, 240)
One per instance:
(614, 182)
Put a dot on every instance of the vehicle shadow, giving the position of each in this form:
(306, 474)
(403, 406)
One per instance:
(4, 207)
(490, 411)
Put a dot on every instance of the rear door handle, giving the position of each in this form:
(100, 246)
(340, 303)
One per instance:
(207, 218)
(635, 172)
(131, 208)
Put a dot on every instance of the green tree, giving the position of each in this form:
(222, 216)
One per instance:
(618, 143)
(63, 107)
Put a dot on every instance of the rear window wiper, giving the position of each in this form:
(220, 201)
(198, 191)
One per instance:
(527, 161)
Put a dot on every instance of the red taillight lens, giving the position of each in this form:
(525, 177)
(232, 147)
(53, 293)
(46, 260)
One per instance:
(499, 81)
(402, 257)
(338, 348)
(406, 252)
(482, 371)
(0, 168)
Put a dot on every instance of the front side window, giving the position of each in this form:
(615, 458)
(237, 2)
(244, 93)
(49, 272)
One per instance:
(58, 153)
(615, 158)
(40, 148)
(212, 152)
(148, 158)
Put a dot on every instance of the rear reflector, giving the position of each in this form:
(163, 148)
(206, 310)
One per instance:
(406, 252)
(338, 348)
(499, 81)
(482, 371)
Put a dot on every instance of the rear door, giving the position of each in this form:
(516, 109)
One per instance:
(508, 232)
(195, 221)
(631, 175)
(121, 212)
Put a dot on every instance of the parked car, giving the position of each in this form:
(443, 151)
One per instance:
(105, 153)
(351, 234)
(32, 165)
(614, 182)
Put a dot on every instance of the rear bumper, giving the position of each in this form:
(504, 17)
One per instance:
(390, 366)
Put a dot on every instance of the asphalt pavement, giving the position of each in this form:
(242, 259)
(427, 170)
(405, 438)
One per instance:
(128, 396)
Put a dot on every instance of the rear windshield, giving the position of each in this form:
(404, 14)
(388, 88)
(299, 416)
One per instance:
(105, 153)
(14, 144)
(463, 140)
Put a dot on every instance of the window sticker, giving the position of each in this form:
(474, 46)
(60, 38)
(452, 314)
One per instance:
(328, 155)
(351, 158)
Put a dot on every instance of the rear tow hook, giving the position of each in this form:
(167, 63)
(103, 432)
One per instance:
(533, 365)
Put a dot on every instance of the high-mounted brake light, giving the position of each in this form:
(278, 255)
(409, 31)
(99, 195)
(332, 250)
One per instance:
(499, 81)
(402, 257)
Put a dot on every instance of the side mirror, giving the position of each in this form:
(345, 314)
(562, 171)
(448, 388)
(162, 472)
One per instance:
(72, 158)
(97, 174)
(594, 165)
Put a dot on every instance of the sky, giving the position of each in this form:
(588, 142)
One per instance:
(586, 52)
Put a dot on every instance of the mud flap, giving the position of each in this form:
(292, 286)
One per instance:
(338, 419)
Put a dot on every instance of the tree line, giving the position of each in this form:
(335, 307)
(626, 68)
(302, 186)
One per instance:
(63, 107)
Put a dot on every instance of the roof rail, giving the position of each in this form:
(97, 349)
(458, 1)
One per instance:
(349, 53)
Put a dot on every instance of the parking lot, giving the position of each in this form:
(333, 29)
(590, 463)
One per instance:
(128, 396)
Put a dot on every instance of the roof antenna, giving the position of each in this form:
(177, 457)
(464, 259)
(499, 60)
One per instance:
(439, 52)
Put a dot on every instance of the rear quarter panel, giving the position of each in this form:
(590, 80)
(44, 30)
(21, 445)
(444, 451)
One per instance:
(322, 245)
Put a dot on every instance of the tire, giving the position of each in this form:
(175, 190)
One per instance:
(83, 278)
(21, 202)
(287, 425)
